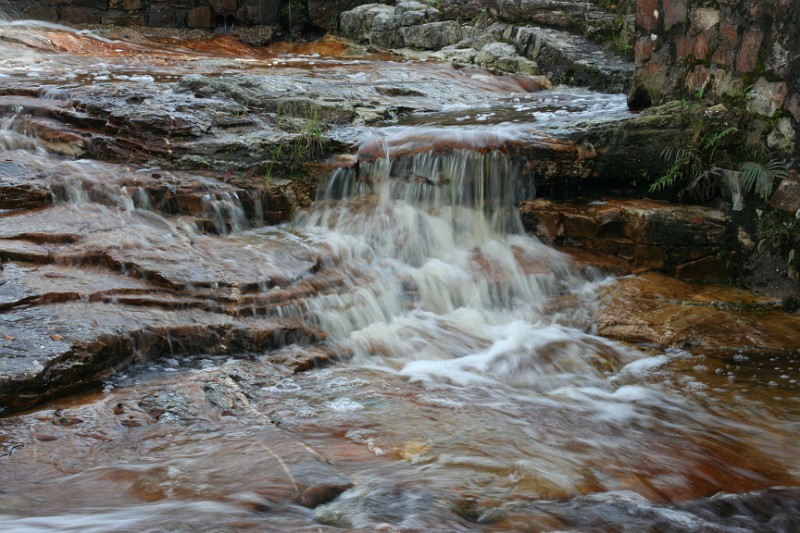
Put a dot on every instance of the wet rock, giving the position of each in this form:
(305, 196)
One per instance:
(96, 339)
(321, 493)
(663, 311)
(114, 287)
(682, 240)
(573, 59)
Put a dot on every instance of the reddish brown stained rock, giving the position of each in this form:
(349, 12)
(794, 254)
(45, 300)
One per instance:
(684, 45)
(646, 17)
(729, 35)
(747, 59)
(657, 309)
(697, 78)
(724, 57)
(711, 269)
(674, 13)
(701, 47)
(644, 48)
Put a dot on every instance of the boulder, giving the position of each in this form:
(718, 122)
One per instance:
(432, 36)
(199, 17)
(357, 23)
(258, 12)
(502, 57)
(385, 31)
(766, 98)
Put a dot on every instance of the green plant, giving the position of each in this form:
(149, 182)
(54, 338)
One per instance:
(622, 38)
(761, 178)
(695, 163)
(305, 144)
(293, 13)
(777, 231)
(275, 158)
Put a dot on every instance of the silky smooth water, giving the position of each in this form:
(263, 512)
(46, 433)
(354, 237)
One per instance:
(472, 394)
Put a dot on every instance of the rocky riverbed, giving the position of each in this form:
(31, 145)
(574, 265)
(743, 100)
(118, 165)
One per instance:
(194, 342)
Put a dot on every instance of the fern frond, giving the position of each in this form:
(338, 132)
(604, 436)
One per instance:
(751, 173)
(778, 169)
(760, 178)
(712, 140)
(667, 180)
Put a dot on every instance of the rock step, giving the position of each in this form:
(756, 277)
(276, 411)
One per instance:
(683, 240)
(51, 350)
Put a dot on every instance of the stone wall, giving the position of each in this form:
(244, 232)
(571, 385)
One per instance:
(739, 51)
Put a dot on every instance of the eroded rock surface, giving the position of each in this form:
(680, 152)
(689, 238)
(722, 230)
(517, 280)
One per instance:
(658, 310)
(685, 241)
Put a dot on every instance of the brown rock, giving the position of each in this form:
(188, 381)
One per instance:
(697, 78)
(650, 257)
(729, 35)
(653, 308)
(684, 46)
(644, 48)
(711, 269)
(701, 47)
(321, 493)
(787, 197)
(674, 13)
(224, 6)
(580, 225)
(647, 14)
(199, 17)
(131, 5)
(724, 58)
(747, 59)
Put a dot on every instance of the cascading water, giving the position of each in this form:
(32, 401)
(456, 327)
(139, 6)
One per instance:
(470, 392)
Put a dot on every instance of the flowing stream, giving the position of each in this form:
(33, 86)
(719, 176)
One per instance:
(472, 392)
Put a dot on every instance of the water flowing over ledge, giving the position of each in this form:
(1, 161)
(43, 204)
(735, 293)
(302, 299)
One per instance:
(471, 390)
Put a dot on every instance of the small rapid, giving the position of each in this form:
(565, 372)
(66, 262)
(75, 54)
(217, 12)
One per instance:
(401, 356)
